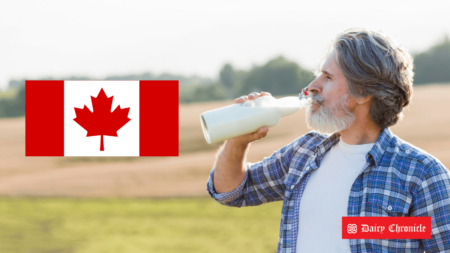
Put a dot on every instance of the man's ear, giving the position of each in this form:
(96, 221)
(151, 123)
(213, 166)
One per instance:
(363, 100)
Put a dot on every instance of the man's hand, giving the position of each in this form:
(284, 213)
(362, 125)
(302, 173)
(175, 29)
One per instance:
(260, 133)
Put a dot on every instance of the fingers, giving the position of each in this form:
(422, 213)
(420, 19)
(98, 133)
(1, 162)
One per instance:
(251, 96)
(251, 137)
(261, 133)
(241, 99)
(254, 95)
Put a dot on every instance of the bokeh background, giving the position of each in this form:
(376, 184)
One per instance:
(218, 50)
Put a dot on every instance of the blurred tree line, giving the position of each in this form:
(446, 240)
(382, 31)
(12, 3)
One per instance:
(433, 65)
(15, 106)
(279, 76)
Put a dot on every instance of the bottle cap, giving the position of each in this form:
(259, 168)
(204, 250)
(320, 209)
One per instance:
(304, 93)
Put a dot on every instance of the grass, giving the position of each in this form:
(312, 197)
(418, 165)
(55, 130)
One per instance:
(58, 225)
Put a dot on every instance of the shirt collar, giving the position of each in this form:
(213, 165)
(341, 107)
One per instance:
(376, 152)
(381, 145)
(327, 143)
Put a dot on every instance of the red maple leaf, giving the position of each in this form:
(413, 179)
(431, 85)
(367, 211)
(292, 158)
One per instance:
(102, 121)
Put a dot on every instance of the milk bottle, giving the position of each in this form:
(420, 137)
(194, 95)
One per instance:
(243, 118)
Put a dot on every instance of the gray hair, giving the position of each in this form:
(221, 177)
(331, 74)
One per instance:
(375, 65)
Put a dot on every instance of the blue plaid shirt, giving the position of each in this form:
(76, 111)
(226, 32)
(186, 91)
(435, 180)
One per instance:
(398, 180)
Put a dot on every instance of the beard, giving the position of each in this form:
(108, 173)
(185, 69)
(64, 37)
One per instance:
(332, 118)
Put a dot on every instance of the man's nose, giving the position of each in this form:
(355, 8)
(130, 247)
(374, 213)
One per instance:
(315, 86)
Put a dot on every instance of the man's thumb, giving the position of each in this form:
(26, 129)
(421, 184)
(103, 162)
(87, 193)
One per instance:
(262, 132)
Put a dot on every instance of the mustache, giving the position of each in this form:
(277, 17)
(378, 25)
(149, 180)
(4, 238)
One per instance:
(317, 99)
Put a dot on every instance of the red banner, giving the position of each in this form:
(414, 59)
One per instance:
(386, 227)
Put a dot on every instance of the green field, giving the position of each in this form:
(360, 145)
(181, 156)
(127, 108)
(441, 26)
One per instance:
(61, 225)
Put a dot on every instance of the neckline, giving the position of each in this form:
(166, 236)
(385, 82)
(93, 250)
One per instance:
(355, 149)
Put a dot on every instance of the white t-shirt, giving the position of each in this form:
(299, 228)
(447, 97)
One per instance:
(325, 199)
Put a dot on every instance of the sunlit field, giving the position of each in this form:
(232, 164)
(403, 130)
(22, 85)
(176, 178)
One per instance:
(426, 125)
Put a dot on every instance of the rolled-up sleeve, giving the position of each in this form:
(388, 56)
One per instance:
(227, 197)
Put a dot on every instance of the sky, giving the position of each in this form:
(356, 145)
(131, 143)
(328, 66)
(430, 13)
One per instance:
(109, 37)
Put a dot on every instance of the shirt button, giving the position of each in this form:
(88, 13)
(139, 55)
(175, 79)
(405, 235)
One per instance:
(307, 168)
(407, 151)
(292, 187)
(389, 208)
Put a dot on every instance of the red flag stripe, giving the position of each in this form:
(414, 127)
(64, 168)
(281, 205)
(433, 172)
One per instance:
(158, 118)
(44, 119)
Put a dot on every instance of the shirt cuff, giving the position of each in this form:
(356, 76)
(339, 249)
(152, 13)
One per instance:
(226, 197)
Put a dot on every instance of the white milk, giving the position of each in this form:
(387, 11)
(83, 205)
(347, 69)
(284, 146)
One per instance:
(243, 118)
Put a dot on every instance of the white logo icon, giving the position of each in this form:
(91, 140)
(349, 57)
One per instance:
(351, 228)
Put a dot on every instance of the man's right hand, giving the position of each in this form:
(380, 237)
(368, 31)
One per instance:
(260, 133)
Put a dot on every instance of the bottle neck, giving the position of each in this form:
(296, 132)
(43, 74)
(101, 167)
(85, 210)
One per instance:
(289, 105)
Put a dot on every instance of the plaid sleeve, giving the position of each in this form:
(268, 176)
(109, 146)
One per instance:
(433, 200)
(263, 181)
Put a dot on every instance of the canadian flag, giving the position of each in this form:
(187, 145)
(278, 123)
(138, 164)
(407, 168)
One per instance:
(101, 118)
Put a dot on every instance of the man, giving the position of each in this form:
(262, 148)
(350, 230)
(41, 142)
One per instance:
(352, 165)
